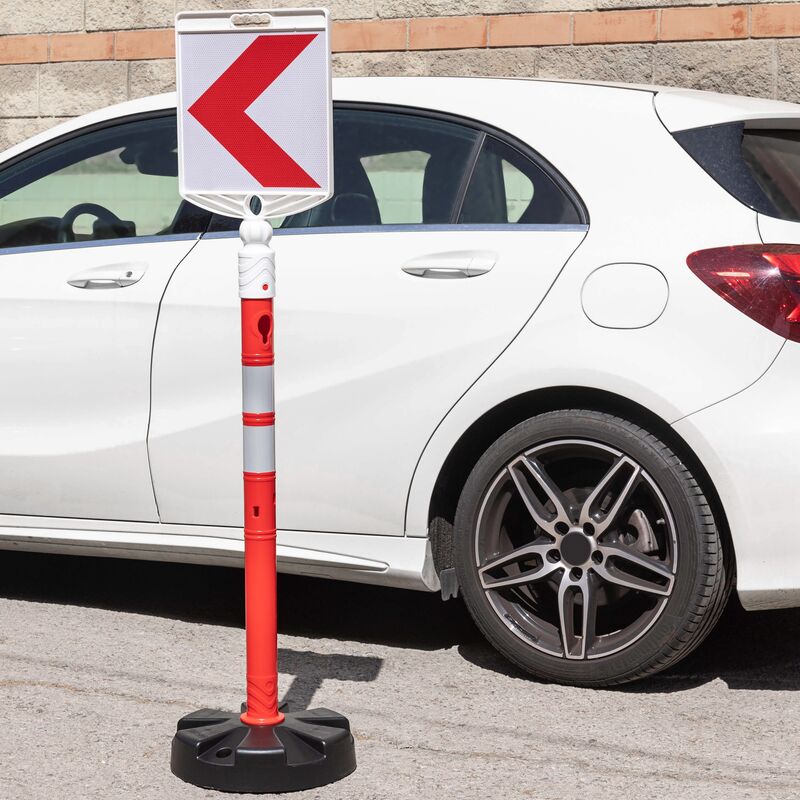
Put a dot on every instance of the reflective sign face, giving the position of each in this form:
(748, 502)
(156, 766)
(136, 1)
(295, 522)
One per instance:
(254, 108)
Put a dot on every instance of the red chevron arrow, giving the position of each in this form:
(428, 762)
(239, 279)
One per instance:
(221, 110)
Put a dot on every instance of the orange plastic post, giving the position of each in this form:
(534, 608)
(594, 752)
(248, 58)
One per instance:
(259, 515)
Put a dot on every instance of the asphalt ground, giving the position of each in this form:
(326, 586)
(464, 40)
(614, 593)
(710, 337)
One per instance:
(99, 658)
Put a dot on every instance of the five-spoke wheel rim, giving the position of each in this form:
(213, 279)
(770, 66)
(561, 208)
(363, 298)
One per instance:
(576, 548)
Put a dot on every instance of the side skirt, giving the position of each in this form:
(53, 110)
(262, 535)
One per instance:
(397, 561)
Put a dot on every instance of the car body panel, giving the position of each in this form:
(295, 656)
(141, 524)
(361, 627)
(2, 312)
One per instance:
(368, 361)
(674, 367)
(75, 401)
(750, 445)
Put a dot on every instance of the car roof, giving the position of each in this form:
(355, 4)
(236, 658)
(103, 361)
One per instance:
(678, 108)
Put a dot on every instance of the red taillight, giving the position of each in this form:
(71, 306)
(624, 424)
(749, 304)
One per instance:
(761, 280)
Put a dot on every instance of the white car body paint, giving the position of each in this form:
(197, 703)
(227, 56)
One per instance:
(375, 386)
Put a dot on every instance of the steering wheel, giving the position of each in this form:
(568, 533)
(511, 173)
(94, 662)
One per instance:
(65, 231)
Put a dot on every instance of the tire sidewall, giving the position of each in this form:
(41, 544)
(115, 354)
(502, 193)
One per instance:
(673, 480)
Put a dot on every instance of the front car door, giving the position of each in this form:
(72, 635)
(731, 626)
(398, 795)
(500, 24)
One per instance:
(392, 299)
(91, 228)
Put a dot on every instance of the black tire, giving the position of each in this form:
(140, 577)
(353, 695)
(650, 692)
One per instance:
(702, 573)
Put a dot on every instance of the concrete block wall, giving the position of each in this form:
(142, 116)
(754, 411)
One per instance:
(60, 58)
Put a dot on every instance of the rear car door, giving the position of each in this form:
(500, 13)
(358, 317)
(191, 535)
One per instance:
(91, 228)
(392, 298)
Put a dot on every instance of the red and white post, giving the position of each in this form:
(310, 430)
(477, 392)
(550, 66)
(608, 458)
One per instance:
(261, 749)
(256, 290)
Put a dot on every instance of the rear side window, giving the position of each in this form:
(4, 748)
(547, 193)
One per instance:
(393, 169)
(507, 187)
(759, 167)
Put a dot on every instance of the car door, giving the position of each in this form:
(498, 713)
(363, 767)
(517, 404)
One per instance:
(392, 298)
(91, 228)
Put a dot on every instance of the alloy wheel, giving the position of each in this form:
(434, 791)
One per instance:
(576, 548)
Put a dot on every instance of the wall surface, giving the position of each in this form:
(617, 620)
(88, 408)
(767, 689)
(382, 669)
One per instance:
(59, 58)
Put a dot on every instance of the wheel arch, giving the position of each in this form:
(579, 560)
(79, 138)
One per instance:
(477, 438)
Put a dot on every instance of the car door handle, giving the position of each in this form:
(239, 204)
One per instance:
(457, 264)
(109, 276)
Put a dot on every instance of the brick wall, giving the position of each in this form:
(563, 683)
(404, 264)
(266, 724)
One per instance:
(59, 58)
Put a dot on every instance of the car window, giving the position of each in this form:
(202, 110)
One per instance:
(392, 168)
(402, 168)
(112, 183)
(760, 167)
(508, 187)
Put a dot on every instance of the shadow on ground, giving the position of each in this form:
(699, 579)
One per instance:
(747, 650)
(215, 596)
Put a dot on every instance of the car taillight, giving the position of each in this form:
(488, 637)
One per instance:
(761, 280)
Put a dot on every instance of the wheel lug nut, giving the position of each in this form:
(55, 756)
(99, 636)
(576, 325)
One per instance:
(597, 557)
(553, 556)
(588, 529)
(562, 528)
(576, 574)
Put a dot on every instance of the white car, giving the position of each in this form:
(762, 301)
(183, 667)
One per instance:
(540, 346)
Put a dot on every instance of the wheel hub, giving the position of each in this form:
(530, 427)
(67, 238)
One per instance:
(576, 549)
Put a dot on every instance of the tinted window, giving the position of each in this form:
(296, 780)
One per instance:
(761, 168)
(507, 187)
(117, 182)
(393, 169)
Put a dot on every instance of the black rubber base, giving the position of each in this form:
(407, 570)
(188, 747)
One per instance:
(216, 750)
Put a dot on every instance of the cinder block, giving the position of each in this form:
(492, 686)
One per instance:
(16, 130)
(340, 9)
(788, 87)
(734, 67)
(19, 96)
(122, 14)
(40, 16)
(151, 77)
(631, 63)
(448, 8)
(75, 88)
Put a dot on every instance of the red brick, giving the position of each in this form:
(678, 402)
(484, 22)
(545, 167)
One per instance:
(444, 33)
(517, 30)
(686, 24)
(134, 45)
(363, 36)
(82, 46)
(775, 20)
(23, 49)
(611, 27)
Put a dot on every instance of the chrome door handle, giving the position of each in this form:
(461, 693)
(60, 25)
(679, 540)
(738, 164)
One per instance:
(460, 264)
(437, 272)
(101, 283)
(110, 276)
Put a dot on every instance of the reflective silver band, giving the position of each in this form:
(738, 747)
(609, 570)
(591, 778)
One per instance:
(259, 448)
(258, 390)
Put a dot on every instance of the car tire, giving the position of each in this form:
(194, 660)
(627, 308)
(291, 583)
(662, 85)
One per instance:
(643, 587)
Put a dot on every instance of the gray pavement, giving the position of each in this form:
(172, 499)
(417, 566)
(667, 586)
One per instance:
(99, 658)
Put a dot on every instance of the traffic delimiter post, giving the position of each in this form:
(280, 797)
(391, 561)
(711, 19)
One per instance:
(261, 749)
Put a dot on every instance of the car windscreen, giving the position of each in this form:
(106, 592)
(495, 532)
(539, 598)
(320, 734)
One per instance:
(758, 166)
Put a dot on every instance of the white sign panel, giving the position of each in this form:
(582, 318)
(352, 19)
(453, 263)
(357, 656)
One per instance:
(254, 109)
